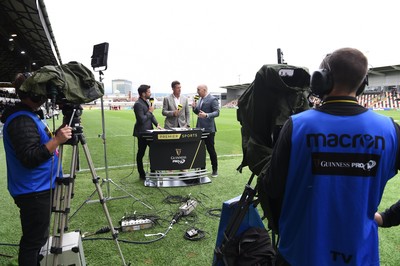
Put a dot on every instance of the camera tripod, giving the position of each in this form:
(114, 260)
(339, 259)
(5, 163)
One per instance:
(107, 181)
(65, 187)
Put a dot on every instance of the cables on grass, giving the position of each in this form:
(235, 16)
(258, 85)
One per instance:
(8, 244)
(174, 199)
(195, 234)
(215, 212)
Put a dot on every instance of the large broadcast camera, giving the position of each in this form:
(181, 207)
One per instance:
(71, 83)
(68, 86)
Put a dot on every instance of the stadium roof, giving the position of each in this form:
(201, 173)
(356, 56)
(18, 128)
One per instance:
(34, 37)
(381, 71)
(237, 87)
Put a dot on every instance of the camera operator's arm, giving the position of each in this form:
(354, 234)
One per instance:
(26, 142)
(25, 138)
(390, 217)
(63, 134)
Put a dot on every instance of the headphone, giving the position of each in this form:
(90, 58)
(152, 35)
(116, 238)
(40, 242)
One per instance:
(36, 98)
(321, 82)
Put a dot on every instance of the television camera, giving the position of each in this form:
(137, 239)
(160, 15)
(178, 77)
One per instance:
(69, 86)
(69, 83)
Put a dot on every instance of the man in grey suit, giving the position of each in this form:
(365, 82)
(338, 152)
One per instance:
(144, 121)
(207, 108)
(176, 108)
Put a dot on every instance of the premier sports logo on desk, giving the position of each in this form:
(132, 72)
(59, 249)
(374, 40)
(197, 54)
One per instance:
(168, 136)
(190, 135)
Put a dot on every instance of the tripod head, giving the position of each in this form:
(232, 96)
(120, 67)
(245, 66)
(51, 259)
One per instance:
(72, 117)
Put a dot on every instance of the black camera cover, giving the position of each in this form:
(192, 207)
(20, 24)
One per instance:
(71, 82)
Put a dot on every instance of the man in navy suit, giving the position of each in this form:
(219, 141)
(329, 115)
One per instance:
(207, 108)
(144, 121)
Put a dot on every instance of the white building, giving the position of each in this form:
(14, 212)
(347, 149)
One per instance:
(121, 87)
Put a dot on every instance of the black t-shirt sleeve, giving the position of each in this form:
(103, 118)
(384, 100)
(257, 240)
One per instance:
(391, 216)
(25, 139)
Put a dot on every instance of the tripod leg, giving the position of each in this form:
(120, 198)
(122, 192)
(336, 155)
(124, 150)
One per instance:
(109, 180)
(86, 201)
(61, 205)
(95, 179)
(57, 194)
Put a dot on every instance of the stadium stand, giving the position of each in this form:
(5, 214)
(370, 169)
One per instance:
(381, 100)
(374, 100)
(231, 104)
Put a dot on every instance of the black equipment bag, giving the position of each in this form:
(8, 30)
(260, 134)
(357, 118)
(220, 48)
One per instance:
(244, 241)
(252, 247)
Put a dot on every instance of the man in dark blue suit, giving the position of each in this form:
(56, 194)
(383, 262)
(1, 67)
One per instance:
(207, 108)
(144, 121)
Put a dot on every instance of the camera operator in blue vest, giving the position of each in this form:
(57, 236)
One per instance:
(31, 155)
(329, 169)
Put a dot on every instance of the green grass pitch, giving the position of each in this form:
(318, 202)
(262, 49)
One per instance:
(173, 249)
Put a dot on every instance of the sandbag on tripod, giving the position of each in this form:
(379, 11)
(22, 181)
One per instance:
(242, 238)
(252, 247)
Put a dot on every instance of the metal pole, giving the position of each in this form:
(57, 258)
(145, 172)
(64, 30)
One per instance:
(103, 137)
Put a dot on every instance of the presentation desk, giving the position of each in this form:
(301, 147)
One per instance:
(177, 158)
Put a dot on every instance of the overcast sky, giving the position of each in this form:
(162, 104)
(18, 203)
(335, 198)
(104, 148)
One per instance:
(219, 42)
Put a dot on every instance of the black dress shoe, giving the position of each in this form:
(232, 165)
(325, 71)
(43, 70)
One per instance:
(214, 173)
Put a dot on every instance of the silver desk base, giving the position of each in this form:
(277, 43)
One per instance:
(175, 178)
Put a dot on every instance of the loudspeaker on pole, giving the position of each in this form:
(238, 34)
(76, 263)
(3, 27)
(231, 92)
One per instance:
(100, 55)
